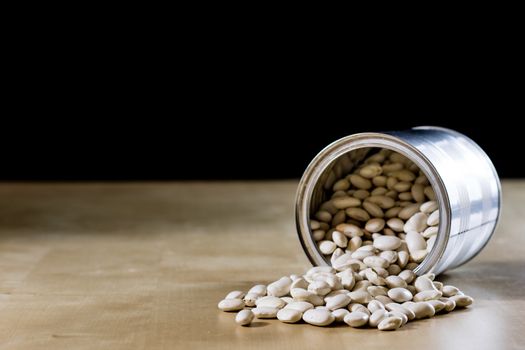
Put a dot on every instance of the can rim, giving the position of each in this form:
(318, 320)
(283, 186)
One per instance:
(363, 140)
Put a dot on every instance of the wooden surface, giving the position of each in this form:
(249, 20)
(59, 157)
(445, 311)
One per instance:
(142, 266)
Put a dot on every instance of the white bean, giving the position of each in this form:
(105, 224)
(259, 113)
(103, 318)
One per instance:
(375, 261)
(399, 294)
(370, 171)
(318, 317)
(401, 309)
(265, 312)
(422, 309)
(424, 283)
(360, 182)
(340, 239)
(289, 315)
(340, 314)
(236, 294)
(418, 193)
(345, 202)
(250, 299)
(428, 207)
(231, 305)
(301, 306)
(395, 282)
(327, 247)
(358, 214)
(449, 291)
(341, 185)
(462, 300)
(280, 287)
(376, 317)
(338, 301)
(258, 289)
(408, 211)
(433, 219)
(428, 295)
(430, 231)
(270, 301)
(360, 296)
(356, 319)
(416, 223)
(244, 317)
(390, 323)
(387, 243)
(415, 241)
(375, 225)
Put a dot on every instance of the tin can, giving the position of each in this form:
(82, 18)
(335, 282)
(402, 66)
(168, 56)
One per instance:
(465, 182)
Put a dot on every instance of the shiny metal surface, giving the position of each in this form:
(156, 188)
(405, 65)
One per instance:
(466, 184)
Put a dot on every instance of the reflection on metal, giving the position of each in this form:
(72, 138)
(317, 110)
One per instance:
(465, 182)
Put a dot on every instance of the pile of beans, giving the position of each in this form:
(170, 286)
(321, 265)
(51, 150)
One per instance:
(386, 204)
(379, 223)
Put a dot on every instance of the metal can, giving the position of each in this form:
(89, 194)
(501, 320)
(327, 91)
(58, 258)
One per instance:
(464, 180)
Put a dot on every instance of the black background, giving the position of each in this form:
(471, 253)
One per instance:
(252, 146)
(113, 113)
(219, 102)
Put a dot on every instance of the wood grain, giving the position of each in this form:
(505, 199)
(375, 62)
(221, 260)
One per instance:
(142, 266)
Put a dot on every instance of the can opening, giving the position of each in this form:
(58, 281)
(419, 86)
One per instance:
(338, 161)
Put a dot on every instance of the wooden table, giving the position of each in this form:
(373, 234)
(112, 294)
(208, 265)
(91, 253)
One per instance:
(142, 266)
